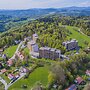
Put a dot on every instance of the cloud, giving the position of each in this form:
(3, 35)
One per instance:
(26, 4)
(85, 4)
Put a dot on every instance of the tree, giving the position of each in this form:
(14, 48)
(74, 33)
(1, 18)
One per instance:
(51, 78)
(38, 86)
(59, 73)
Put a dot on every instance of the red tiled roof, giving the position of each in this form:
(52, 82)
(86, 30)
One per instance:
(20, 55)
(79, 80)
(10, 76)
(3, 70)
(10, 62)
(72, 87)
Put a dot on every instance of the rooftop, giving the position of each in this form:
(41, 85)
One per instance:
(79, 80)
(45, 48)
(72, 87)
(31, 42)
(35, 35)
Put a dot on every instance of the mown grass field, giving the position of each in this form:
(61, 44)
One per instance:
(40, 74)
(11, 50)
(78, 36)
(1, 86)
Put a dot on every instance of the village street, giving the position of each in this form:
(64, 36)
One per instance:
(21, 74)
(4, 82)
(13, 57)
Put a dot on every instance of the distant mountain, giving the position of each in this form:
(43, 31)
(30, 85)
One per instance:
(75, 11)
(34, 13)
(13, 18)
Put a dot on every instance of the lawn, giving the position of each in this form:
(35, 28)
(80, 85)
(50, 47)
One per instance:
(11, 50)
(78, 36)
(26, 50)
(5, 78)
(1, 86)
(40, 74)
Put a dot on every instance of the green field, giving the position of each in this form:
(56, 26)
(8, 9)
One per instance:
(1, 86)
(11, 50)
(40, 74)
(78, 36)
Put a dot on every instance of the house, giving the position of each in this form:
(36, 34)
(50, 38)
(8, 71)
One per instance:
(49, 53)
(20, 55)
(33, 47)
(71, 45)
(11, 76)
(72, 87)
(10, 62)
(4, 56)
(88, 72)
(79, 80)
(23, 70)
(17, 76)
(35, 37)
(3, 70)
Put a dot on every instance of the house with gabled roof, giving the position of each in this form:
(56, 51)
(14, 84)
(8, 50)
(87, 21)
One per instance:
(72, 87)
(79, 80)
(3, 70)
(10, 62)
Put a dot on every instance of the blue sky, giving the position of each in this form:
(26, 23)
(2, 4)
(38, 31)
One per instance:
(27, 4)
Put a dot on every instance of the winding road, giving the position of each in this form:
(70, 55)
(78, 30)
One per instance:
(13, 57)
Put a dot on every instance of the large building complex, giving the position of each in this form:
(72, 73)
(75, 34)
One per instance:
(33, 47)
(70, 45)
(49, 53)
(35, 37)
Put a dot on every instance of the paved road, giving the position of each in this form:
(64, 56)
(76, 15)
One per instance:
(4, 82)
(21, 75)
(8, 85)
(81, 32)
(13, 57)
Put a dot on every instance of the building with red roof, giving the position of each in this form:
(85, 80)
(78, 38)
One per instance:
(79, 80)
(3, 70)
(10, 62)
(72, 87)
(20, 55)
(11, 76)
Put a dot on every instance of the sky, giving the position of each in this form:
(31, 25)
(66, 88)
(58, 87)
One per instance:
(27, 4)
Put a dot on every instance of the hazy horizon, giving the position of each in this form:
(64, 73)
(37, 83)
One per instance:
(29, 4)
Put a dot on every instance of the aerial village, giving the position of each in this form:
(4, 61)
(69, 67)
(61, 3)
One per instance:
(36, 52)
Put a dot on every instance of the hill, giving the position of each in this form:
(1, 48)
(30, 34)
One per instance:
(13, 18)
(52, 31)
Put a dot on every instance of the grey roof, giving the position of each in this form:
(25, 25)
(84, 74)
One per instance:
(31, 42)
(58, 51)
(67, 42)
(35, 35)
(45, 48)
(52, 49)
